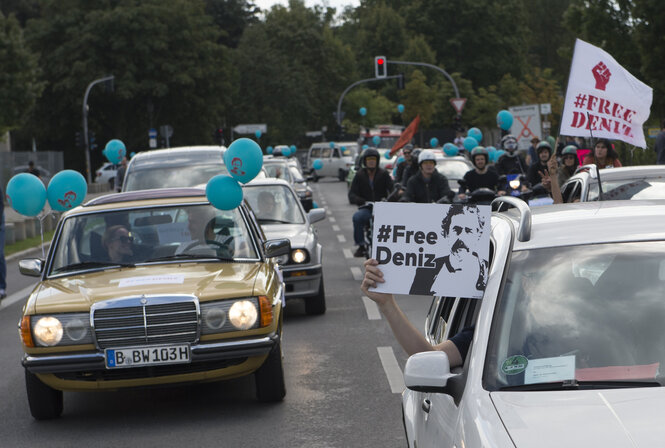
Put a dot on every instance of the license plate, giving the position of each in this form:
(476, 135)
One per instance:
(146, 356)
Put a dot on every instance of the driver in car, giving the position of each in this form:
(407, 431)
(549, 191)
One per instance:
(267, 207)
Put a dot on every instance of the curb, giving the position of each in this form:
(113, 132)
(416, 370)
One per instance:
(25, 252)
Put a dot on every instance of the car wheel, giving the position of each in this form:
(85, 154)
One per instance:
(45, 402)
(317, 303)
(270, 377)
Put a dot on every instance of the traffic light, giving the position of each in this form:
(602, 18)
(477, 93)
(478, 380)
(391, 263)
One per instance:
(400, 82)
(79, 139)
(380, 66)
(93, 140)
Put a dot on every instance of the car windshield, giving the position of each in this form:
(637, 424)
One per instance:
(274, 204)
(167, 176)
(646, 188)
(128, 237)
(278, 171)
(452, 169)
(584, 313)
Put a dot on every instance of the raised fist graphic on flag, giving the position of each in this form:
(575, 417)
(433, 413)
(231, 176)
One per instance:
(602, 75)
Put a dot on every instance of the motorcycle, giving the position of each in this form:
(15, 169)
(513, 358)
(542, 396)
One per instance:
(367, 230)
(479, 196)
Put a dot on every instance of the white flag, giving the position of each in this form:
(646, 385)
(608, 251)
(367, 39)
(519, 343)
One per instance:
(604, 99)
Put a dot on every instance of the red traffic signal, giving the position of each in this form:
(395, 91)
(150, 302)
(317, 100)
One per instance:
(380, 67)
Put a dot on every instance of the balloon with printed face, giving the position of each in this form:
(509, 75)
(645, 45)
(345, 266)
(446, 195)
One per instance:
(26, 194)
(450, 149)
(115, 151)
(470, 143)
(317, 164)
(362, 111)
(504, 119)
(433, 142)
(400, 108)
(66, 190)
(269, 149)
(243, 159)
(224, 192)
(475, 133)
(376, 140)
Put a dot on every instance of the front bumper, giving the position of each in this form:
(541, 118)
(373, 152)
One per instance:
(302, 281)
(200, 353)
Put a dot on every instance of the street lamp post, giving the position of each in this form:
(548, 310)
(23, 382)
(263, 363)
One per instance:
(85, 123)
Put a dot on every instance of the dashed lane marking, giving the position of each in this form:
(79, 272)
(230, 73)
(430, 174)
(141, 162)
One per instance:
(20, 295)
(336, 228)
(341, 238)
(332, 219)
(393, 372)
(372, 309)
(357, 273)
(347, 253)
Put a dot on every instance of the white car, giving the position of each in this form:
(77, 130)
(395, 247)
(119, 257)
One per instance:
(335, 161)
(568, 346)
(106, 173)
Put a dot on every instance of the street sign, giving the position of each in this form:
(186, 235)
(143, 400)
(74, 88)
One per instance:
(313, 134)
(526, 124)
(458, 104)
(250, 128)
(653, 132)
(545, 109)
(166, 131)
(152, 133)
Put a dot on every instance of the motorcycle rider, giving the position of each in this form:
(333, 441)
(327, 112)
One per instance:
(370, 184)
(428, 185)
(543, 154)
(406, 152)
(511, 162)
(481, 176)
(410, 169)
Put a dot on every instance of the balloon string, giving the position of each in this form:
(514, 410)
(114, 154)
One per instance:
(41, 233)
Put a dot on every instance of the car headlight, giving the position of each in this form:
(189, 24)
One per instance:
(299, 256)
(61, 329)
(243, 314)
(214, 318)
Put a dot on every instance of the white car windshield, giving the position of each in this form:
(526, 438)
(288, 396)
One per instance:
(452, 169)
(128, 237)
(167, 176)
(582, 314)
(274, 204)
(646, 188)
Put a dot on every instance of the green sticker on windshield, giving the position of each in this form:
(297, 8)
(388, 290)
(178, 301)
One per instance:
(514, 365)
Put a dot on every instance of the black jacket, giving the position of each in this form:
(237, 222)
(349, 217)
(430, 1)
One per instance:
(362, 190)
(511, 164)
(532, 176)
(417, 190)
(407, 173)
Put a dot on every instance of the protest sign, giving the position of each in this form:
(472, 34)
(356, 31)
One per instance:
(604, 99)
(432, 249)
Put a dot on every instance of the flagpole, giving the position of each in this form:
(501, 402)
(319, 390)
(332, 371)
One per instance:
(565, 95)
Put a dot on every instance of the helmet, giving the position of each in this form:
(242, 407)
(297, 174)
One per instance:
(570, 149)
(408, 146)
(544, 145)
(369, 152)
(415, 154)
(426, 154)
(509, 142)
(479, 151)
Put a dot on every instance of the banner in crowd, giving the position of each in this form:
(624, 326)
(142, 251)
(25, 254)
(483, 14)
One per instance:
(604, 99)
(432, 249)
(406, 136)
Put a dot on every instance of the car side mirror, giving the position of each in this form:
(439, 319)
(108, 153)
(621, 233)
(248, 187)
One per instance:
(309, 178)
(427, 372)
(316, 215)
(32, 267)
(275, 248)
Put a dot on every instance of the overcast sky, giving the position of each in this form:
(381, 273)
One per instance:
(339, 4)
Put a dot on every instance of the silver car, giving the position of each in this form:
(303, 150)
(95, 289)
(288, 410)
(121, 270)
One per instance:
(631, 182)
(280, 213)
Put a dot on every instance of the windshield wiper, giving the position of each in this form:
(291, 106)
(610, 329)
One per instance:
(279, 221)
(186, 256)
(581, 385)
(94, 264)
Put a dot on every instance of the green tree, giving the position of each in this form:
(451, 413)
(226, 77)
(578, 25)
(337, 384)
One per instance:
(232, 16)
(417, 99)
(19, 78)
(648, 19)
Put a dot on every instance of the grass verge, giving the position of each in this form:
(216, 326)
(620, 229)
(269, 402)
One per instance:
(28, 243)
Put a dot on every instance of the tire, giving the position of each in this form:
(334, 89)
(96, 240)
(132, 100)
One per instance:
(316, 304)
(269, 377)
(45, 402)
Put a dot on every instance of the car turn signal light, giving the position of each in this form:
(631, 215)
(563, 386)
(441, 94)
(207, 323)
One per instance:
(26, 333)
(266, 311)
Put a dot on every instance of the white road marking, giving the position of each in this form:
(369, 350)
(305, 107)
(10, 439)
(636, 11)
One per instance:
(12, 299)
(336, 228)
(341, 238)
(328, 212)
(392, 369)
(372, 309)
(347, 253)
(357, 273)
(332, 219)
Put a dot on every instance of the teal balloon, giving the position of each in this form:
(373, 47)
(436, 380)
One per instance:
(498, 154)
(491, 151)
(243, 159)
(365, 147)
(314, 204)
(332, 144)
(224, 192)
(362, 111)
(286, 152)
(400, 108)
(293, 149)
(475, 133)
(504, 119)
(317, 164)
(470, 143)
(115, 151)
(387, 155)
(26, 194)
(132, 154)
(258, 134)
(376, 140)
(66, 190)
(269, 149)
(434, 142)
(450, 149)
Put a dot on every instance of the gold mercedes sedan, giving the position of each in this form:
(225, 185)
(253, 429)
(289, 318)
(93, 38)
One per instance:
(153, 287)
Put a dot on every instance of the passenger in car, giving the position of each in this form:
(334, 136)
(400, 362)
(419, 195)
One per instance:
(412, 340)
(117, 241)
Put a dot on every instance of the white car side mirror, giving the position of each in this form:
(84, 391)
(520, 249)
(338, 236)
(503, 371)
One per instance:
(316, 215)
(427, 372)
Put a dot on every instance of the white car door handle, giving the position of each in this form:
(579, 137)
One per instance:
(426, 405)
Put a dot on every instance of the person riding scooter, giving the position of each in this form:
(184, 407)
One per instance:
(428, 185)
(481, 176)
(511, 162)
